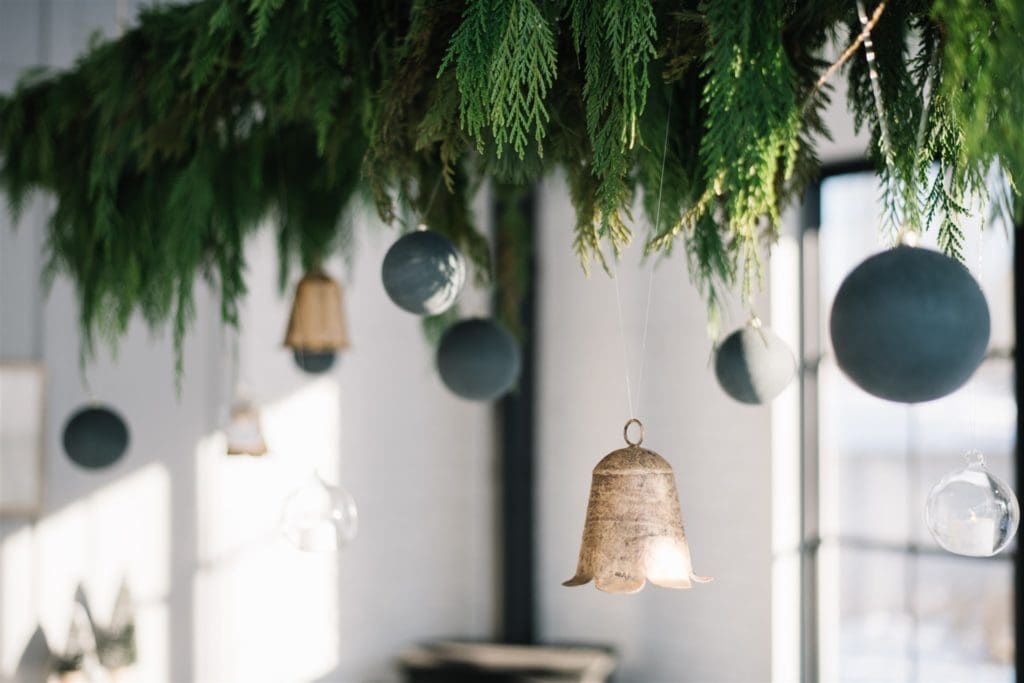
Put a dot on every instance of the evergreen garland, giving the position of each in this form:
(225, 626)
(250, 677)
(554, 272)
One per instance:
(168, 147)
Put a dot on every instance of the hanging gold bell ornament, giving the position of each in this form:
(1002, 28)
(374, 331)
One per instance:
(634, 528)
(243, 431)
(317, 323)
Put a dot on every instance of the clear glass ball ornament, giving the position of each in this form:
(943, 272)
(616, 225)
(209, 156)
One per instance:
(318, 517)
(971, 511)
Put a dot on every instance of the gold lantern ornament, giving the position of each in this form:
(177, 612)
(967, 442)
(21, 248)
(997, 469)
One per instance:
(317, 322)
(243, 431)
(634, 527)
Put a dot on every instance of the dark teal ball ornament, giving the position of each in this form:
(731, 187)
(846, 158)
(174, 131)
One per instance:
(95, 437)
(753, 365)
(423, 273)
(478, 359)
(314, 362)
(910, 325)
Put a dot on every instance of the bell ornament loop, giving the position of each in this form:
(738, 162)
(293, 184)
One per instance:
(625, 431)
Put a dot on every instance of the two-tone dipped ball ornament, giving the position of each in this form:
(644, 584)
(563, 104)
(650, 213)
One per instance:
(423, 272)
(95, 437)
(753, 365)
(910, 325)
(478, 359)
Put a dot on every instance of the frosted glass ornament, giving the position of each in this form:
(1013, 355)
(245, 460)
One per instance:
(318, 517)
(971, 511)
(423, 272)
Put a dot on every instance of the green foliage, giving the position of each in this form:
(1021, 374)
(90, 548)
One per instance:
(504, 55)
(749, 87)
(982, 64)
(615, 41)
(167, 148)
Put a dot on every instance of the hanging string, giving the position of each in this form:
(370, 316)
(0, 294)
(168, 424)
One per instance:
(236, 361)
(635, 409)
(430, 202)
(876, 88)
(657, 226)
(622, 339)
(975, 389)
(883, 126)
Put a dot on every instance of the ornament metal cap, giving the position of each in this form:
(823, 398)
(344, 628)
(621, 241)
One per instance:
(317, 322)
(634, 528)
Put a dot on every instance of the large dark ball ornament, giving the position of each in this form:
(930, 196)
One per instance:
(753, 365)
(423, 273)
(314, 362)
(478, 359)
(95, 437)
(910, 325)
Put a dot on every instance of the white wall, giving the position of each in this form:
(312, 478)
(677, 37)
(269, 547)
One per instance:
(221, 597)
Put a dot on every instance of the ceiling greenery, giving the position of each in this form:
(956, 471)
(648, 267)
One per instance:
(166, 148)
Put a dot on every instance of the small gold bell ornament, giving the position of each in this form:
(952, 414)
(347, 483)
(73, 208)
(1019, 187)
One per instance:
(634, 528)
(317, 321)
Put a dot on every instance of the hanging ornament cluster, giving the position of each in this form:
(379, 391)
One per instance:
(316, 327)
(318, 517)
(909, 325)
(971, 511)
(478, 359)
(95, 437)
(634, 527)
(423, 272)
(753, 365)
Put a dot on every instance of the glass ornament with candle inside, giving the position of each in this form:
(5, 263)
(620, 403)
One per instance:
(318, 517)
(971, 511)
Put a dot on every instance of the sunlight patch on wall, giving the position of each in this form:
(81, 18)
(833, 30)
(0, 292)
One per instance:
(265, 611)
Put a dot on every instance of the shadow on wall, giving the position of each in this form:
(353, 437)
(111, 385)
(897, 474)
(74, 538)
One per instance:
(238, 629)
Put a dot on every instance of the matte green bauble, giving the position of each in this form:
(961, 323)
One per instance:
(95, 437)
(314, 362)
(753, 365)
(423, 273)
(478, 359)
(910, 325)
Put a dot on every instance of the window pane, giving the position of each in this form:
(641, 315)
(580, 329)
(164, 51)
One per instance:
(918, 618)
(964, 612)
(866, 619)
(863, 462)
